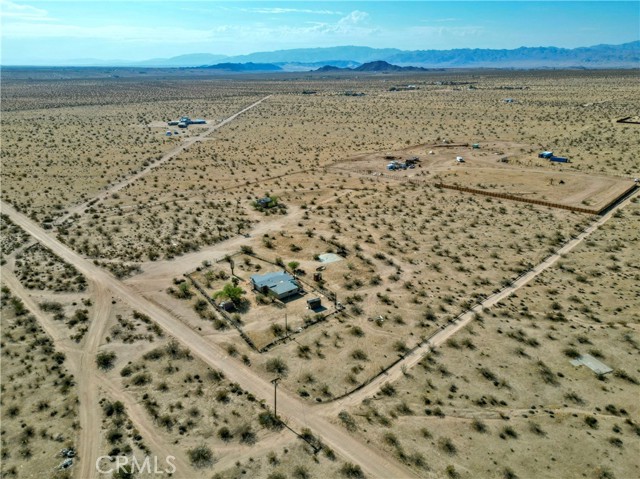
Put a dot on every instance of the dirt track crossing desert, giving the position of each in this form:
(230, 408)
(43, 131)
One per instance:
(162, 289)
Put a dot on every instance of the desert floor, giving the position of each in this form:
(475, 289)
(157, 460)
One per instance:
(448, 319)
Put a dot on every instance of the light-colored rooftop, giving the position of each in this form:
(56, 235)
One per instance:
(279, 282)
(592, 363)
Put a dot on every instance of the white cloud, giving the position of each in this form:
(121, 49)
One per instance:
(354, 18)
(24, 13)
(347, 25)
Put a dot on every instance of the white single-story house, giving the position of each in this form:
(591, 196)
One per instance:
(280, 283)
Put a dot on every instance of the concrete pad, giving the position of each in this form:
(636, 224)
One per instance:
(592, 363)
(330, 258)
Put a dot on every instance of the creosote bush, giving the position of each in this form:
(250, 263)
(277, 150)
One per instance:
(278, 366)
(105, 360)
(201, 457)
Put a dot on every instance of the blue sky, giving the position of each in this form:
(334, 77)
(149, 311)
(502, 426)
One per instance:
(53, 32)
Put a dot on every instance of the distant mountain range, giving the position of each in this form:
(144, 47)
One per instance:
(600, 56)
(244, 67)
(626, 55)
(377, 66)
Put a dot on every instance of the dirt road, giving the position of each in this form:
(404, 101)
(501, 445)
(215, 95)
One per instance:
(156, 273)
(90, 417)
(81, 363)
(78, 209)
(300, 415)
(63, 343)
(140, 418)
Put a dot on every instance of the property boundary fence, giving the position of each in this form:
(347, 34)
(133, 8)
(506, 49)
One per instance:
(475, 308)
(448, 145)
(389, 366)
(319, 318)
(507, 196)
(617, 200)
(223, 313)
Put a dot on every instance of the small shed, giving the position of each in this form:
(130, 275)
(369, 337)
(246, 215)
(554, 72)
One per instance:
(227, 306)
(314, 303)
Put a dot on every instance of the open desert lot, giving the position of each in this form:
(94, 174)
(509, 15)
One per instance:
(503, 396)
(337, 275)
(39, 398)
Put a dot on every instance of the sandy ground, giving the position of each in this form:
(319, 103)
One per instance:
(265, 150)
(523, 175)
(333, 436)
(81, 360)
(167, 157)
(297, 412)
(503, 389)
(465, 319)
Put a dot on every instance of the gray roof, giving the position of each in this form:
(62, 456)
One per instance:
(279, 282)
(284, 288)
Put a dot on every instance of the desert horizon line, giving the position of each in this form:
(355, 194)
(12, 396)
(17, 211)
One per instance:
(341, 56)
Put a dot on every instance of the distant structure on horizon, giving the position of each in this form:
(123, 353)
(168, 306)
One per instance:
(185, 121)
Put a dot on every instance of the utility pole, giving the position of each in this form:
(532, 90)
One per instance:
(286, 328)
(275, 396)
